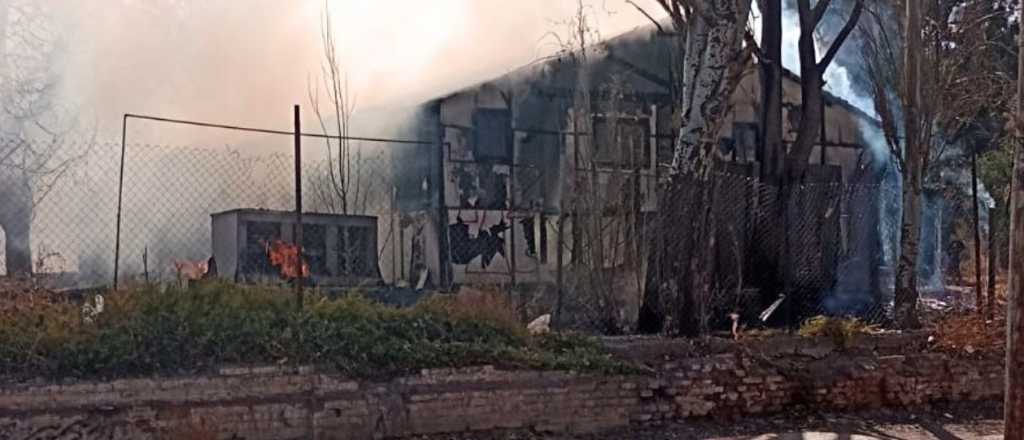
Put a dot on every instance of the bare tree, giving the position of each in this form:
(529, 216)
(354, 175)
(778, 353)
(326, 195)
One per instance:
(812, 71)
(714, 58)
(33, 125)
(342, 191)
(952, 80)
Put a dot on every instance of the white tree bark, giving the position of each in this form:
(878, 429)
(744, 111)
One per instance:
(714, 44)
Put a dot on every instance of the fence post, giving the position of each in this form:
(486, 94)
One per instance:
(120, 197)
(979, 296)
(298, 207)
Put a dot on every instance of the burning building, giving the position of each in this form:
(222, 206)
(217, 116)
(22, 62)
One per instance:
(492, 204)
(256, 245)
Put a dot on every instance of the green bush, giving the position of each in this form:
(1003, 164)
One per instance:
(146, 331)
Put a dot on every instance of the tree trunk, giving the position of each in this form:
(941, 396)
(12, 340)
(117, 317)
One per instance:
(16, 221)
(712, 52)
(979, 296)
(991, 264)
(1014, 398)
(1014, 395)
(812, 100)
(906, 270)
(905, 311)
(772, 152)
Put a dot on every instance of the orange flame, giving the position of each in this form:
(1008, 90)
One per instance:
(285, 256)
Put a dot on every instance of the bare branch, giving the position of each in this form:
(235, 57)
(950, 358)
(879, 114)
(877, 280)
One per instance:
(819, 11)
(851, 23)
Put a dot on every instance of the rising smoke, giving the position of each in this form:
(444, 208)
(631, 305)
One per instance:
(246, 63)
(848, 79)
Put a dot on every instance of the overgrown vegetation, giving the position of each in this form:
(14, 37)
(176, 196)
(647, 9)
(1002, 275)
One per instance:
(146, 331)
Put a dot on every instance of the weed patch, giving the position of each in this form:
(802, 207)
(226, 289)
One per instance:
(180, 331)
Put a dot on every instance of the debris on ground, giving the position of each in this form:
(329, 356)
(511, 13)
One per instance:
(970, 334)
(541, 325)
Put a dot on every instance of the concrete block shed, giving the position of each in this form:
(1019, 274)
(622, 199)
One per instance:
(341, 250)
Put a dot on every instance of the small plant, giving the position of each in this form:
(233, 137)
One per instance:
(843, 331)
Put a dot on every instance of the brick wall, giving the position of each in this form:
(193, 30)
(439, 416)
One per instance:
(273, 403)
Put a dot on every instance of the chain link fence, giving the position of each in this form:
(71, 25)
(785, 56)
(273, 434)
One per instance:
(776, 256)
(171, 197)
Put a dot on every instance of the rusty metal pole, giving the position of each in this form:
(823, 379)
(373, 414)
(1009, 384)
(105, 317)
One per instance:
(298, 207)
(979, 296)
(1014, 395)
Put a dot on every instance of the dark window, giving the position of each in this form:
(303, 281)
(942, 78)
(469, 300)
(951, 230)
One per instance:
(353, 246)
(314, 249)
(536, 245)
(727, 147)
(622, 142)
(492, 135)
(258, 235)
(746, 140)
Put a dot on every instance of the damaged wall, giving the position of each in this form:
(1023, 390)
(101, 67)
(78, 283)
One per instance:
(508, 152)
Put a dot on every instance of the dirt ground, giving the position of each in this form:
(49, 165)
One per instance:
(976, 422)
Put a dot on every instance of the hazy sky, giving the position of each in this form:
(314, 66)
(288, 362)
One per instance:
(248, 61)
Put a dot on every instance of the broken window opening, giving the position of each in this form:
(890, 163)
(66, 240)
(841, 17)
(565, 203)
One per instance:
(535, 234)
(492, 135)
(622, 141)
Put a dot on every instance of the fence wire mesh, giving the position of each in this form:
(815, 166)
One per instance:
(587, 247)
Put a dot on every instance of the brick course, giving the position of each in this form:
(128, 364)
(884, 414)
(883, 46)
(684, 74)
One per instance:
(300, 403)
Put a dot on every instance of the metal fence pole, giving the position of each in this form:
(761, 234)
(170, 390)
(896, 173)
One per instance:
(120, 197)
(298, 207)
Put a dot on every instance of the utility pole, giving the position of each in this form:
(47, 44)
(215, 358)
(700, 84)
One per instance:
(1014, 396)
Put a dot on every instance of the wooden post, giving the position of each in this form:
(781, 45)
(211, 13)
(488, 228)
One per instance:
(979, 297)
(1014, 396)
(298, 206)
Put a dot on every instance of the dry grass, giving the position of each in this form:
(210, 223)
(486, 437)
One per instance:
(487, 303)
(841, 330)
(25, 296)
